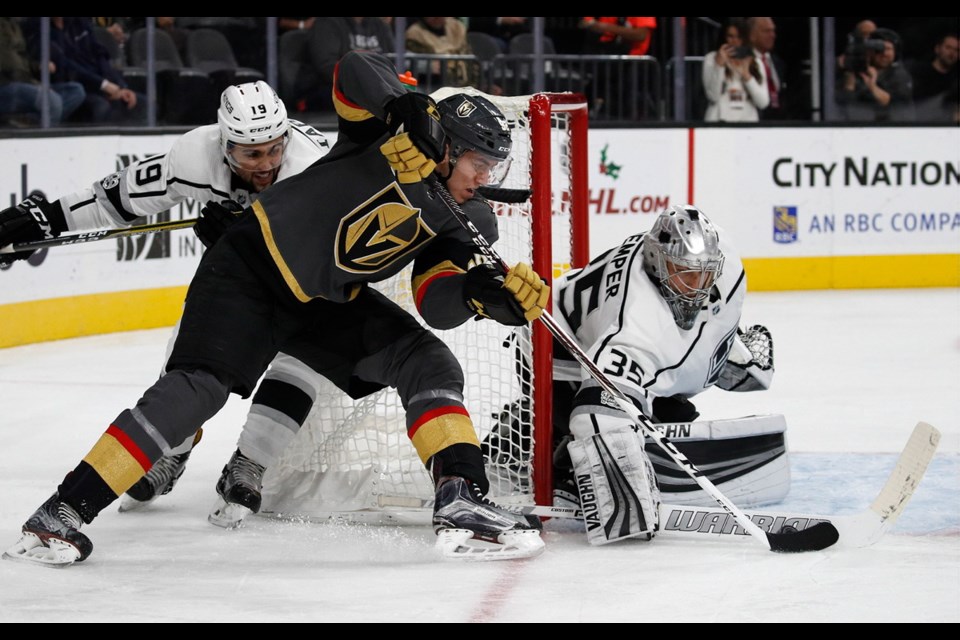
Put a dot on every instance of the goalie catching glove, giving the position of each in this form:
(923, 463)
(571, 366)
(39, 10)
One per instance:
(215, 218)
(32, 220)
(749, 364)
(419, 142)
(515, 299)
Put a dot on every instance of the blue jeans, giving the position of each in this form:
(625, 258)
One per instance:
(23, 97)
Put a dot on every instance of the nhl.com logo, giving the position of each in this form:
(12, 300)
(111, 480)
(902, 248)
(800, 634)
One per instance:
(784, 224)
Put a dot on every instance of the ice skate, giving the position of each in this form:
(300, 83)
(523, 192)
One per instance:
(159, 481)
(239, 490)
(462, 515)
(51, 537)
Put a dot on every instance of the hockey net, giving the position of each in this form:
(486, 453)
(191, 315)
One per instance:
(352, 459)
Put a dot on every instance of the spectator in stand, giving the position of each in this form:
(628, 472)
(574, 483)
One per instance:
(116, 27)
(502, 29)
(861, 31)
(79, 57)
(618, 36)
(442, 36)
(615, 37)
(732, 80)
(330, 39)
(20, 92)
(763, 37)
(884, 90)
(936, 83)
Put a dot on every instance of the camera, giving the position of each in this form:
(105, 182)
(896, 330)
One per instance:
(857, 52)
(740, 53)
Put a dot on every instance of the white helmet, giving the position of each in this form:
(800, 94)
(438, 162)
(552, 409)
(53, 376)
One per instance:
(681, 253)
(250, 113)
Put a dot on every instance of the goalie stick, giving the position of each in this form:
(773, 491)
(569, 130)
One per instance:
(94, 236)
(817, 537)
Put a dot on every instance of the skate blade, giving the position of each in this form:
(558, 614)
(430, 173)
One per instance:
(55, 554)
(460, 544)
(227, 516)
(132, 504)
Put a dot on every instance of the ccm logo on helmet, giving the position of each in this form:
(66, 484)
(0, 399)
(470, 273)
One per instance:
(260, 129)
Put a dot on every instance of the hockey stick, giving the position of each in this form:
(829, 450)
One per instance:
(103, 234)
(819, 536)
(509, 196)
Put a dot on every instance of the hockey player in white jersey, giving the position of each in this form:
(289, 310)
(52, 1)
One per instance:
(253, 145)
(659, 315)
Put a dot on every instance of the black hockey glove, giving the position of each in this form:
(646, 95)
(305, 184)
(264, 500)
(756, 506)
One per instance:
(419, 142)
(674, 409)
(514, 299)
(29, 221)
(215, 218)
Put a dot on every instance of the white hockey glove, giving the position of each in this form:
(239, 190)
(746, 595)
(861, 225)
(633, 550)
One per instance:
(618, 489)
(749, 365)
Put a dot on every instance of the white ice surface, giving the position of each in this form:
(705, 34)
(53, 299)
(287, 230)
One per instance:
(856, 370)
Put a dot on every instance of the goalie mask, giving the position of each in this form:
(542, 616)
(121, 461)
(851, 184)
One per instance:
(681, 253)
(251, 114)
(473, 123)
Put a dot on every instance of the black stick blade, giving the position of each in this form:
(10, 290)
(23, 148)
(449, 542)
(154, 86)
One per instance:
(815, 538)
(505, 195)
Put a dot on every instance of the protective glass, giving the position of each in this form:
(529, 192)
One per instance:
(491, 171)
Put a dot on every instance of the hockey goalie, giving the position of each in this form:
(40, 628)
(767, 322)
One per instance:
(659, 315)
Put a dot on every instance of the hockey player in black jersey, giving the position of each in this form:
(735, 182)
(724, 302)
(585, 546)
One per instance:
(292, 274)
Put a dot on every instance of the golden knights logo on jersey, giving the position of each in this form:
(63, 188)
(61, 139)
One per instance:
(380, 231)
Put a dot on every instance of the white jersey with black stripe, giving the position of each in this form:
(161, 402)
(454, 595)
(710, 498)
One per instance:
(618, 316)
(194, 168)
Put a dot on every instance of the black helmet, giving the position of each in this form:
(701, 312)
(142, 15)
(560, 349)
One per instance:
(474, 123)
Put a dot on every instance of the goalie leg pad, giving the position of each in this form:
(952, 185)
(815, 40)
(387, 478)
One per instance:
(618, 489)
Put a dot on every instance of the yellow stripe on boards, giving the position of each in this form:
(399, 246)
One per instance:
(94, 314)
(60, 318)
(853, 272)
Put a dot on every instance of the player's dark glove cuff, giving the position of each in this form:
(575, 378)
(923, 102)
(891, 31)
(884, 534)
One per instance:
(418, 115)
(484, 294)
(215, 218)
